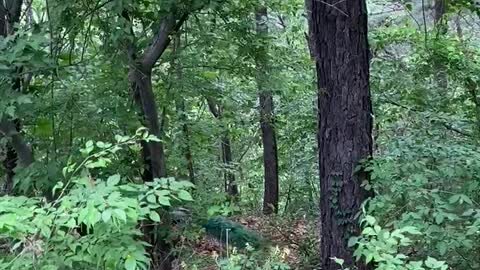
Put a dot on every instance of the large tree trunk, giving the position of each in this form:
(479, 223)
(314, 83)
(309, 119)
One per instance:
(270, 159)
(339, 35)
(18, 153)
(229, 177)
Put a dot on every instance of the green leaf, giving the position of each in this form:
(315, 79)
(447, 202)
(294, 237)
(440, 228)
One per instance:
(93, 216)
(352, 241)
(59, 185)
(113, 180)
(442, 247)
(439, 218)
(130, 263)
(210, 75)
(454, 198)
(49, 267)
(106, 215)
(185, 195)
(151, 198)
(433, 263)
(370, 220)
(120, 214)
(162, 192)
(338, 261)
(410, 230)
(163, 200)
(154, 216)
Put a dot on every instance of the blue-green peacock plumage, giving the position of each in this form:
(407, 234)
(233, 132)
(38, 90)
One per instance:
(238, 235)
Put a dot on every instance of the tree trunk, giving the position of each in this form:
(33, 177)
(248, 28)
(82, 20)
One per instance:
(19, 153)
(229, 177)
(341, 50)
(438, 17)
(186, 150)
(181, 111)
(270, 159)
(153, 152)
(230, 183)
(140, 78)
(441, 27)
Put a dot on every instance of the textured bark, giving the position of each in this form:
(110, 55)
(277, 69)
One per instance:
(153, 152)
(308, 36)
(441, 26)
(229, 177)
(339, 32)
(270, 159)
(140, 77)
(438, 16)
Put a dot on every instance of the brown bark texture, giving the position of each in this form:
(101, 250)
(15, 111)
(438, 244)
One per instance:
(225, 145)
(269, 140)
(140, 78)
(339, 37)
(441, 27)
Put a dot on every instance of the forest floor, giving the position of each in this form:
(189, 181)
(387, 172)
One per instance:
(295, 239)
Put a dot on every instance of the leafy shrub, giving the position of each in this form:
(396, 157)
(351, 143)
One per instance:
(254, 260)
(47, 234)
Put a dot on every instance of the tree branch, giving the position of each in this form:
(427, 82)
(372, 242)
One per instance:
(162, 39)
(444, 124)
(213, 107)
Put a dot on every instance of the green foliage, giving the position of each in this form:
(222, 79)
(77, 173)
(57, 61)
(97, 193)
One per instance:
(45, 234)
(382, 247)
(250, 261)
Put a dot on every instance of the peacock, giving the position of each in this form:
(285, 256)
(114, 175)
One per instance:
(219, 227)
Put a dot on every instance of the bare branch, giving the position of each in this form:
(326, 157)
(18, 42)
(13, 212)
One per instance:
(162, 39)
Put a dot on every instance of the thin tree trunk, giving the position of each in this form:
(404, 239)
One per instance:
(182, 116)
(270, 158)
(153, 152)
(441, 27)
(186, 150)
(339, 33)
(438, 17)
(140, 78)
(230, 183)
(229, 177)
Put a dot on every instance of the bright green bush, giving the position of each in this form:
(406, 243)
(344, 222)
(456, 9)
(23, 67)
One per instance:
(45, 235)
